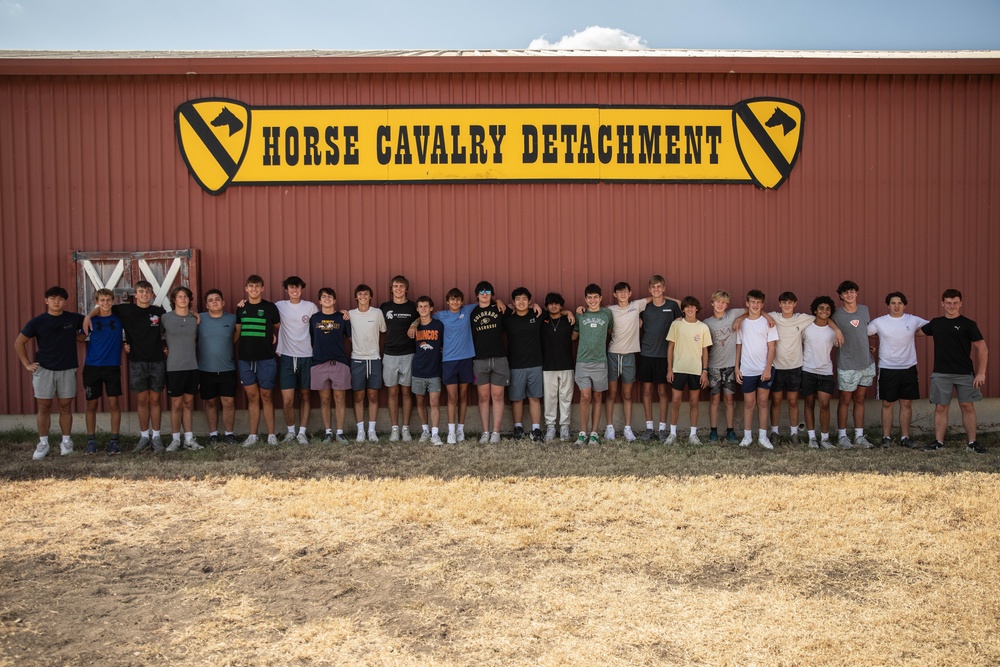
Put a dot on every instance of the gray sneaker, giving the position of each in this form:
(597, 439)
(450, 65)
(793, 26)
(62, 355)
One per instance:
(41, 451)
(694, 440)
(327, 439)
(813, 443)
(372, 435)
(484, 438)
(252, 440)
(670, 439)
(192, 444)
(272, 440)
(661, 435)
(65, 448)
(157, 445)
(862, 442)
(436, 440)
(844, 442)
(825, 443)
(564, 433)
(340, 439)
(425, 436)
(405, 434)
(495, 438)
(174, 445)
(648, 434)
(289, 437)
(143, 444)
(394, 434)
(302, 439)
(550, 433)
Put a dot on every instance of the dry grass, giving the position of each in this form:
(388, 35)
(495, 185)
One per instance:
(517, 554)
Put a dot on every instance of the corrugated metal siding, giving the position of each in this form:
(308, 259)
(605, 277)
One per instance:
(896, 187)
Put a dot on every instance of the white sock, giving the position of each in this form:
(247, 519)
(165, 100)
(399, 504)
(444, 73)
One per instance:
(361, 427)
(65, 440)
(302, 430)
(762, 433)
(774, 430)
(663, 426)
(812, 434)
(291, 429)
(694, 431)
(451, 429)
(649, 426)
(858, 432)
(188, 436)
(426, 428)
(518, 425)
(44, 439)
(748, 433)
(825, 436)
(156, 434)
(842, 433)
(535, 426)
(795, 429)
(176, 436)
(434, 431)
(673, 429)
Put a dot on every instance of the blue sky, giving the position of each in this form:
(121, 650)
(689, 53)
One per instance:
(511, 24)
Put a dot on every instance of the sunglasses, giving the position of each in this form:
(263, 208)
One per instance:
(485, 291)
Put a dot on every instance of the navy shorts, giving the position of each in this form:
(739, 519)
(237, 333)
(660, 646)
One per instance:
(263, 373)
(457, 372)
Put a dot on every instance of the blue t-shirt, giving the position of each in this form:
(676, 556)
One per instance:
(427, 358)
(458, 331)
(104, 348)
(56, 342)
(215, 343)
(328, 333)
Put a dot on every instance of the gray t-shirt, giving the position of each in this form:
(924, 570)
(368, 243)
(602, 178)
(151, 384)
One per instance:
(656, 321)
(722, 354)
(853, 354)
(182, 335)
(215, 343)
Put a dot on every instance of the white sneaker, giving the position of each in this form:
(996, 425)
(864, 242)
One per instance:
(863, 442)
(425, 436)
(289, 437)
(550, 433)
(174, 445)
(272, 439)
(452, 439)
(41, 451)
(694, 439)
(361, 436)
(495, 438)
(460, 436)
(813, 443)
(564, 433)
(405, 434)
(671, 439)
(372, 435)
(251, 440)
(436, 440)
(192, 444)
(484, 438)
(764, 442)
(746, 441)
(629, 435)
(394, 434)
(65, 449)
(609, 432)
(302, 439)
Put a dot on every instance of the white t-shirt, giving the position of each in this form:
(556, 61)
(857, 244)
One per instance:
(625, 334)
(788, 351)
(817, 343)
(365, 329)
(896, 350)
(293, 336)
(753, 337)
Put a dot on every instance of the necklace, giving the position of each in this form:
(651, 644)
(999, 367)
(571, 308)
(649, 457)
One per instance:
(555, 323)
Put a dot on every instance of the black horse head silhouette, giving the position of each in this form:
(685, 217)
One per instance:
(779, 117)
(228, 118)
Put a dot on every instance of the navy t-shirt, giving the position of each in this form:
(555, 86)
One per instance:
(104, 348)
(328, 333)
(427, 359)
(56, 339)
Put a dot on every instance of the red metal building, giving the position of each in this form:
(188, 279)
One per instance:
(896, 185)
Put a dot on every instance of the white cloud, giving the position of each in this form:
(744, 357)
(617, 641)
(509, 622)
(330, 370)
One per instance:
(12, 8)
(593, 37)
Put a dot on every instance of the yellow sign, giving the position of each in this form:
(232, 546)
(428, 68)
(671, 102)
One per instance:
(225, 142)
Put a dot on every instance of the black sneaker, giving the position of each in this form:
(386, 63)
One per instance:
(905, 442)
(327, 438)
(886, 442)
(230, 439)
(114, 447)
(648, 435)
(518, 433)
(975, 447)
(91, 447)
(213, 439)
(934, 446)
(536, 435)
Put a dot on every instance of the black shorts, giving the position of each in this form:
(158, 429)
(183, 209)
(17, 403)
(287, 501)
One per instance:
(99, 380)
(787, 380)
(684, 381)
(813, 383)
(898, 383)
(182, 382)
(213, 385)
(652, 369)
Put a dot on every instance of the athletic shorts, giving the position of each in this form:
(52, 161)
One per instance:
(330, 375)
(526, 383)
(147, 376)
(212, 385)
(421, 386)
(722, 380)
(100, 380)
(621, 367)
(493, 371)
(851, 380)
(182, 382)
(397, 369)
(943, 384)
(263, 373)
(752, 383)
(814, 383)
(52, 384)
(591, 376)
(457, 372)
(652, 369)
(788, 379)
(684, 381)
(366, 374)
(293, 372)
(898, 383)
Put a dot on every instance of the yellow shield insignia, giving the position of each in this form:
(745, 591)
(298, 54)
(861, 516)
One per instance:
(769, 135)
(213, 135)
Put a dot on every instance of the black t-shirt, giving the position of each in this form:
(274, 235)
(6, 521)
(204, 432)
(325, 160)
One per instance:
(487, 332)
(257, 324)
(557, 344)
(524, 339)
(953, 339)
(55, 339)
(398, 318)
(142, 331)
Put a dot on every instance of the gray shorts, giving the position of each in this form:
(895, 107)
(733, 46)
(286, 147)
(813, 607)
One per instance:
(722, 380)
(944, 384)
(397, 369)
(51, 384)
(591, 376)
(851, 380)
(147, 376)
(494, 371)
(621, 367)
(421, 386)
(526, 383)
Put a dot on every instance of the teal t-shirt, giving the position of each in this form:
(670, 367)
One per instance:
(594, 329)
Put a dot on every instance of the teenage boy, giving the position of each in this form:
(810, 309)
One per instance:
(818, 382)
(622, 352)
(456, 360)
(755, 345)
(180, 327)
(659, 314)
(367, 324)
(956, 340)
(490, 366)
(557, 367)
(147, 368)
(54, 369)
(397, 362)
(524, 338)
(257, 323)
(331, 369)
(687, 366)
(102, 370)
(217, 367)
(855, 364)
(897, 365)
(295, 357)
(426, 383)
(592, 328)
(722, 364)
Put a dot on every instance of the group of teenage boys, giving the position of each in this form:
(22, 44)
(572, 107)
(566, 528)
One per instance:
(519, 348)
